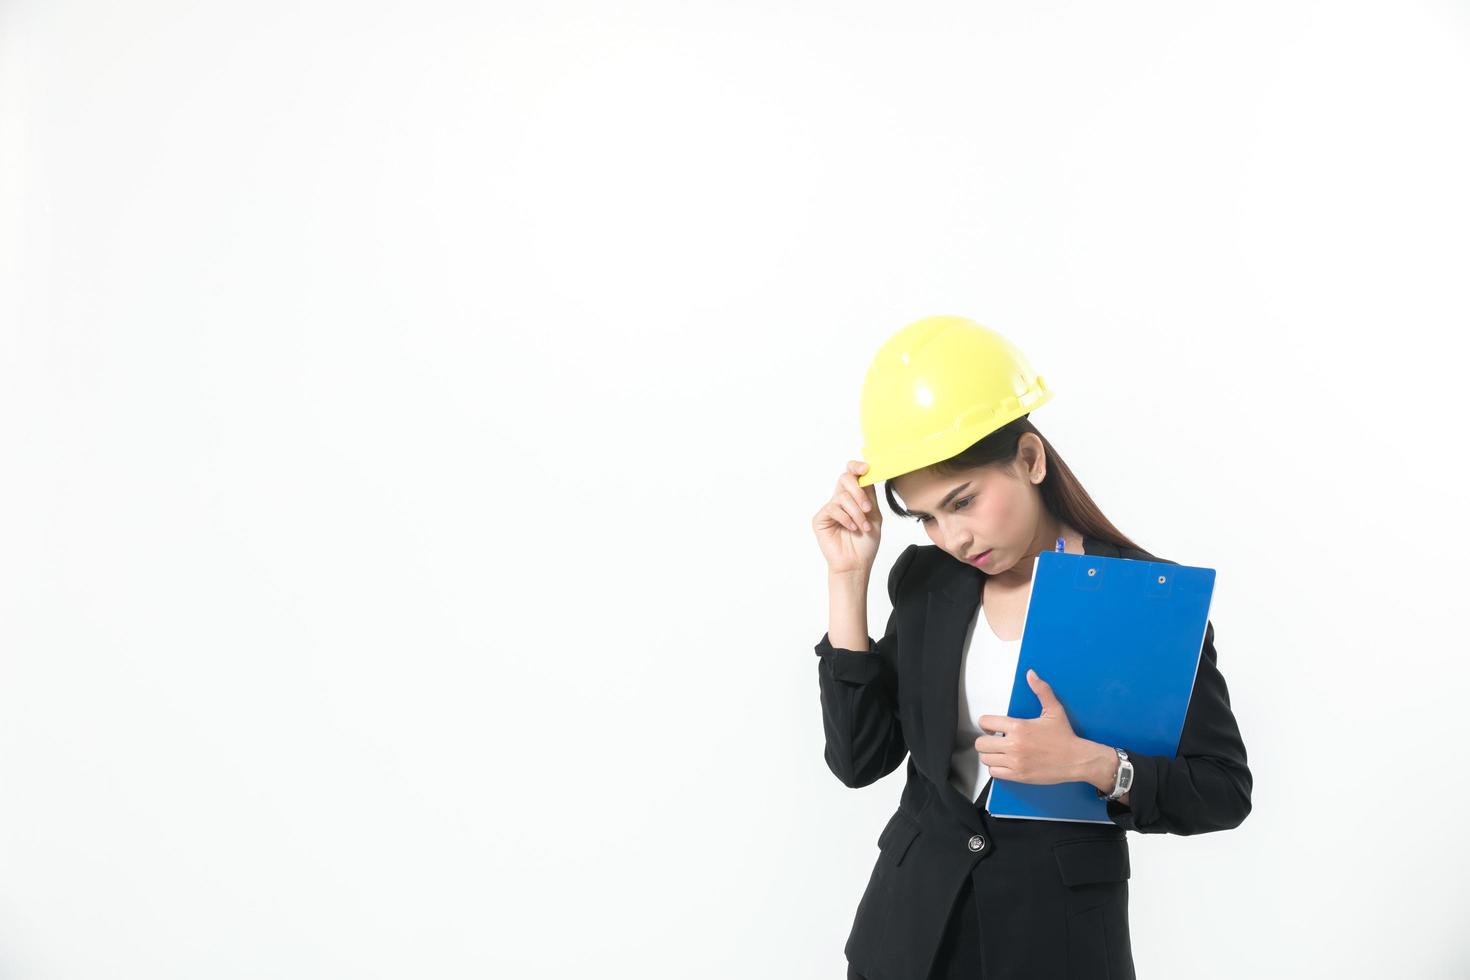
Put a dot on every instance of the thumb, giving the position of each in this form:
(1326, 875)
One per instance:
(1048, 698)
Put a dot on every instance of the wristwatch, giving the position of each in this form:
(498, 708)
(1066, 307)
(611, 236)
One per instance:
(1122, 781)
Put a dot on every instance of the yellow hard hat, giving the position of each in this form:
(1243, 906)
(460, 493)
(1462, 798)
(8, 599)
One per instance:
(935, 388)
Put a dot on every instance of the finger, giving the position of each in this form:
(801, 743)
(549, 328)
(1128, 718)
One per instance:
(859, 495)
(854, 521)
(998, 744)
(1001, 772)
(839, 516)
(999, 723)
(846, 504)
(848, 491)
(857, 467)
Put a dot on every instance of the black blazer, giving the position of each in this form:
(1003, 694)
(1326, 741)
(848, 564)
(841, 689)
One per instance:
(1052, 896)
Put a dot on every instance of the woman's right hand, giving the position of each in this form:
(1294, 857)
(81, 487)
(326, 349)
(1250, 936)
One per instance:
(849, 525)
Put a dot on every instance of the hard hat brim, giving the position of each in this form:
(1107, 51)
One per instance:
(943, 445)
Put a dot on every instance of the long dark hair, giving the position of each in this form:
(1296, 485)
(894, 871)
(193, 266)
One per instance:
(1061, 492)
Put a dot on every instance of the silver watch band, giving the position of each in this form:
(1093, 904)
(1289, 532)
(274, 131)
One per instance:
(1122, 780)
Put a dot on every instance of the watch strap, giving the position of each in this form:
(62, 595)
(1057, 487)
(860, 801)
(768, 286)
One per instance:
(1122, 778)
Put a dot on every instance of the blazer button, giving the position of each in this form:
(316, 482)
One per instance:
(977, 842)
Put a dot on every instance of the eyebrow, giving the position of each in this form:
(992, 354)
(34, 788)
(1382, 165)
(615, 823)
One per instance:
(945, 502)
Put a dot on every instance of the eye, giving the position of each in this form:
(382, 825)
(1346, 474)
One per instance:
(958, 505)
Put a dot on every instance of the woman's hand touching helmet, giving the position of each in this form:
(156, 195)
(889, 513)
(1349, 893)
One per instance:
(849, 526)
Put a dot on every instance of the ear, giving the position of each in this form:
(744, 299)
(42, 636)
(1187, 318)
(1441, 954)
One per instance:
(1031, 458)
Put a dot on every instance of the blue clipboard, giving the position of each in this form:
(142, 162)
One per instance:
(1119, 641)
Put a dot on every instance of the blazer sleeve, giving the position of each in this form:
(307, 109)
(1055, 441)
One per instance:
(1206, 785)
(859, 694)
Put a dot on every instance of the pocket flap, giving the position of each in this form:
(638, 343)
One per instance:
(1084, 862)
(898, 834)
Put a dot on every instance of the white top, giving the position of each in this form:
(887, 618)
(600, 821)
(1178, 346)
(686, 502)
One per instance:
(987, 672)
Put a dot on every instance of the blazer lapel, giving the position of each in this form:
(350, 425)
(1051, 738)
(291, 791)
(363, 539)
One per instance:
(954, 600)
(956, 594)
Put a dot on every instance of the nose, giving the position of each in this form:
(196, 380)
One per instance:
(953, 545)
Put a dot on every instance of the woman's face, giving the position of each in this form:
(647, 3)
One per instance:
(995, 508)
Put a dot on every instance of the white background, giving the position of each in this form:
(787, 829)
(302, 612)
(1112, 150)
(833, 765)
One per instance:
(412, 416)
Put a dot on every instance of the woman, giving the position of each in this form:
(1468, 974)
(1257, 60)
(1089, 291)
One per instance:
(955, 892)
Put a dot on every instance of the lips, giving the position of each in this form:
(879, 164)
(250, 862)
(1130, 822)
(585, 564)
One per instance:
(980, 558)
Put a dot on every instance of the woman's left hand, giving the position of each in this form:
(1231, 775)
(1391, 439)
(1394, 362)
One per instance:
(1040, 750)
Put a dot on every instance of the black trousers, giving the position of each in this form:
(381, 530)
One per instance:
(959, 951)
